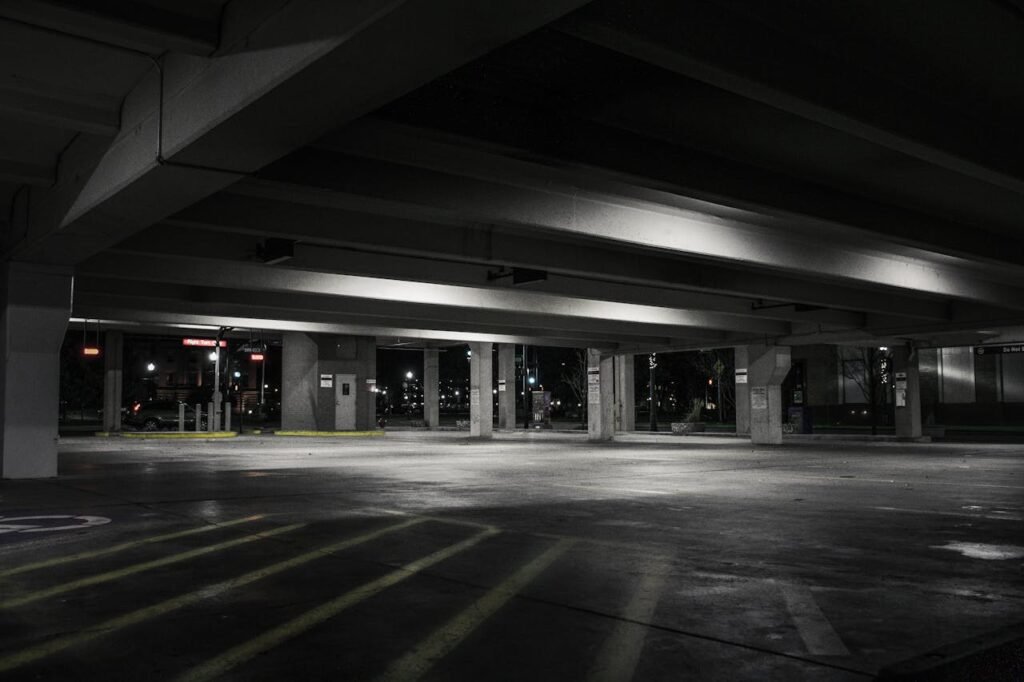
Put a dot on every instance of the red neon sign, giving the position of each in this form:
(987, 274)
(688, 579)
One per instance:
(256, 357)
(90, 351)
(203, 343)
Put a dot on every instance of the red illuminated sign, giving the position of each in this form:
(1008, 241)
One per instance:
(257, 357)
(90, 351)
(203, 343)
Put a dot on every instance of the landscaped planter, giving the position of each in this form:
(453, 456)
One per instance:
(682, 428)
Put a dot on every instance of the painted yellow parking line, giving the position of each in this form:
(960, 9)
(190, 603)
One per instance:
(621, 653)
(173, 604)
(123, 546)
(423, 656)
(216, 667)
(99, 578)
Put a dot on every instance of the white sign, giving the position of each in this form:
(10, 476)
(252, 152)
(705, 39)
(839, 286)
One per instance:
(501, 385)
(741, 376)
(326, 381)
(759, 398)
(901, 381)
(594, 386)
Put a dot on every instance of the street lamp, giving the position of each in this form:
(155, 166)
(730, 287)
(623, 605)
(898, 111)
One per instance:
(150, 367)
(408, 375)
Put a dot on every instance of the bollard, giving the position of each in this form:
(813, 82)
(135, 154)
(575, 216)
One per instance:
(199, 417)
(210, 426)
(181, 416)
(227, 416)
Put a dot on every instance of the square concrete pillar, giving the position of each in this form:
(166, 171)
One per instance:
(113, 380)
(299, 382)
(600, 396)
(35, 303)
(431, 388)
(907, 392)
(759, 411)
(625, 394)
(506, 386)
(481, 400)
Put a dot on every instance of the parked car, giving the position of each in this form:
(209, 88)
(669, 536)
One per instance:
(156, 415)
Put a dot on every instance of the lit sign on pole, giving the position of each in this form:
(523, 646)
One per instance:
(91, 351)
(203, 343)
(256, 357)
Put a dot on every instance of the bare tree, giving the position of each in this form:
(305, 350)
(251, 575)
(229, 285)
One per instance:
(574, 375)
(868, 369)
(719, 364)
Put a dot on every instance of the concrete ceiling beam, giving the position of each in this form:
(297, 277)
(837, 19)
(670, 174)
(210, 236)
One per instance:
(60, 112)
(220, 274)
(783, 72)
(320, 217)
(138, 26)
(198, 124)
(535, 202)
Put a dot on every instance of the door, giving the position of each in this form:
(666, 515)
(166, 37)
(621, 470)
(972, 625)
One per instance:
(345, 402)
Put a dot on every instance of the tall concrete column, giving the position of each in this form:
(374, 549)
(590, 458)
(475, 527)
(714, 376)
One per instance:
(908, 392)
(625, 394)
(767, 367)
(481, 400)
(113, 380)
(600, 396)
(36, 304)
(299, 382)
(506, 386)
(431, 388)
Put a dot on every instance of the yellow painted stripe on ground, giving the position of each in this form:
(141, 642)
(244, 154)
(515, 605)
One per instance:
(180, 434)
(173, 604)
(144, 566)
(124, 545)
(216, 667)
(330, 434)
(424, 655)
(621, 652)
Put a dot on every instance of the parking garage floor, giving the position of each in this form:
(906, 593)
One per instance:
(544, 557)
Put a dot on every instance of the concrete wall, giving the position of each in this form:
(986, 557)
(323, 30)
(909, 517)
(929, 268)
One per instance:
(307, 406)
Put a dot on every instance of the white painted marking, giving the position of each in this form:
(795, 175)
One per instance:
(814, 628)
(608, 489)
(8, 525)
(979, 550)
(1003, 516)
(621, 651)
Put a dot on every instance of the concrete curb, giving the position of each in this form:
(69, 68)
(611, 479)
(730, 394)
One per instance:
(330, 434)
(176, 435)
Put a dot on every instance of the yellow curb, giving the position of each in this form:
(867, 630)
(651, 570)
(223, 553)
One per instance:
(349, 434)
(177, 434)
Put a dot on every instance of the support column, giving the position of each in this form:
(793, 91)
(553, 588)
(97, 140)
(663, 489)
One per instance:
(113, 380)
(506, 386)
(625, 394)
(481, 400)
(298, 382)
(908, 392)
(767, 367)
(600, 396)
(36, 304)
(431, 389)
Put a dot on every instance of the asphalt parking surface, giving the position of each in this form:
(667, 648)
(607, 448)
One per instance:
(533, 556)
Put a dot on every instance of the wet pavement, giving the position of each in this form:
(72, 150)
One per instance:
(534, 556)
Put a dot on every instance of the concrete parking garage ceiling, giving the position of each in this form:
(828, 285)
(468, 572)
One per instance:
(682, 174)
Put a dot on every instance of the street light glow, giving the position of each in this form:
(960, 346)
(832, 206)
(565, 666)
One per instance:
(150, 367)
(408, 375)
